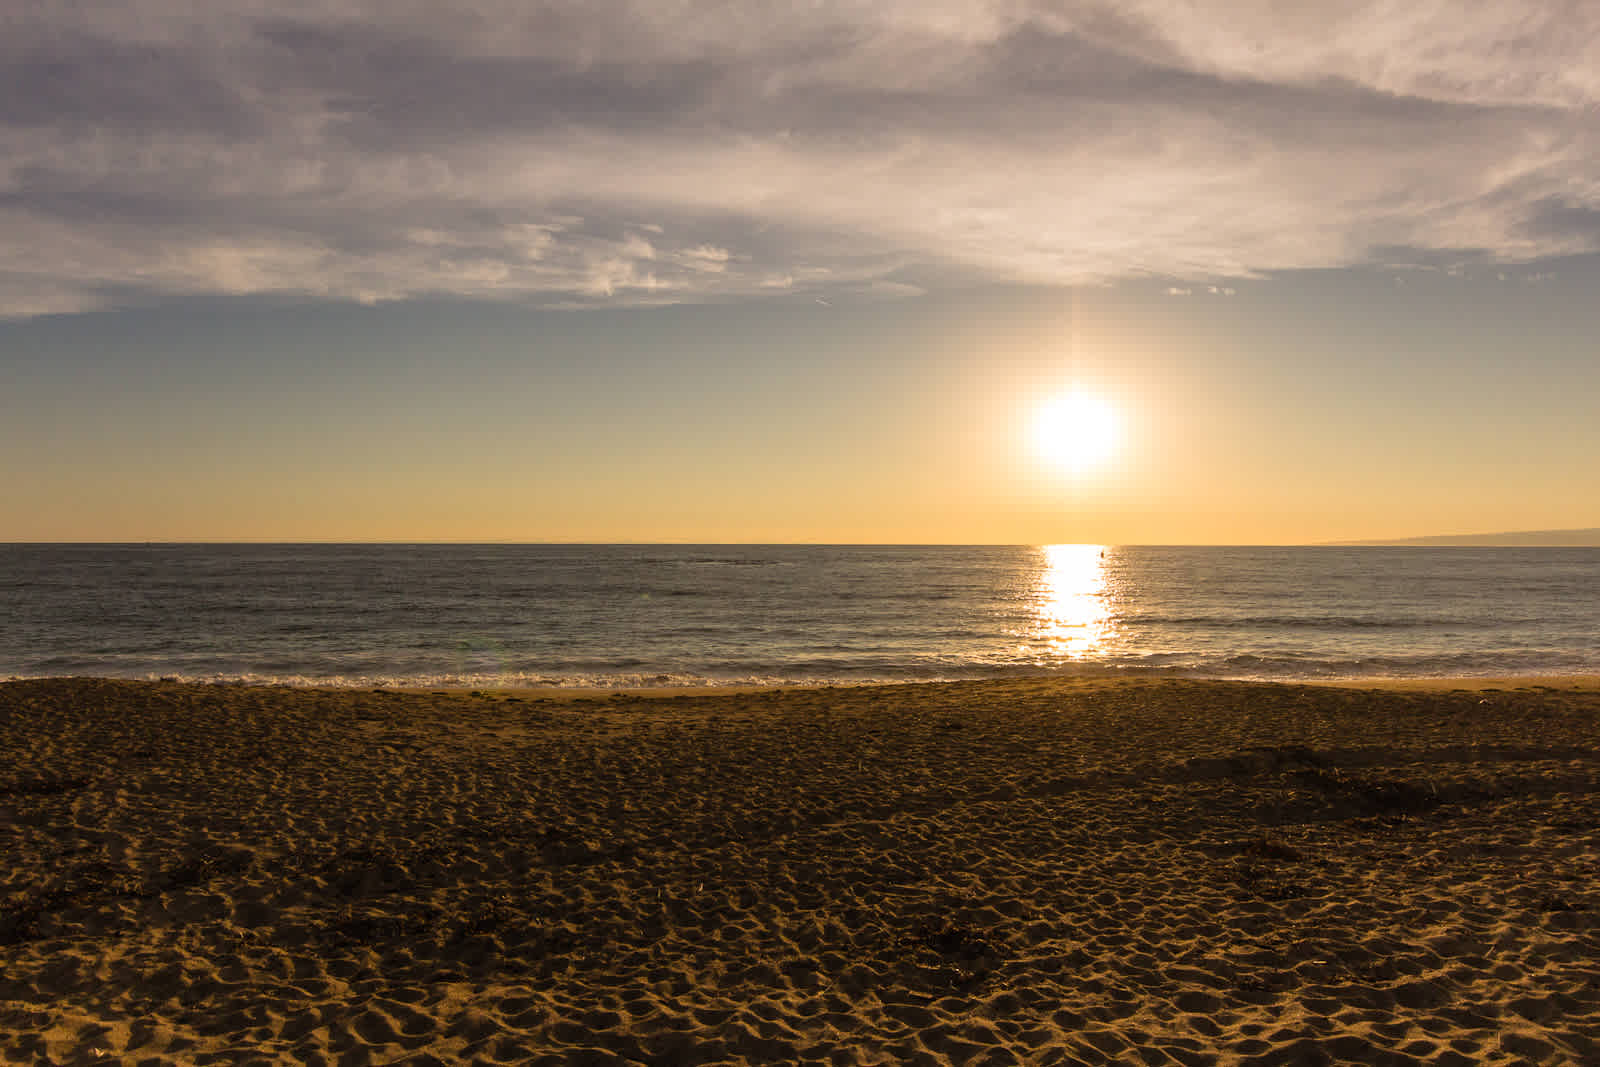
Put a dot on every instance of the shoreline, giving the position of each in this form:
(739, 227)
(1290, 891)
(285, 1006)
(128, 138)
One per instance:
(1075, 870)
(1428, 683)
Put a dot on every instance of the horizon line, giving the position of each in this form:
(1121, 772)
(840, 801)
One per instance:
(1425, 541)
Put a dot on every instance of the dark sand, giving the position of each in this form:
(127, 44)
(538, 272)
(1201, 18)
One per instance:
(985, 873)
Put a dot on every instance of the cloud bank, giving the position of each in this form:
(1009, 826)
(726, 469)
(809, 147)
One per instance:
(602, 151)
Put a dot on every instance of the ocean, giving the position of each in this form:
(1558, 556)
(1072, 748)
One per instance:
(493, 616)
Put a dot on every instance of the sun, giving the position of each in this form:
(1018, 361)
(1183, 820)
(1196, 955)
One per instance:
(1078, 430)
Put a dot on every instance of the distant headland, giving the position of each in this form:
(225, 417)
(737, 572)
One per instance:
(1586, 538)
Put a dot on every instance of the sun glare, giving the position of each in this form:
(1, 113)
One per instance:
(1078, 430)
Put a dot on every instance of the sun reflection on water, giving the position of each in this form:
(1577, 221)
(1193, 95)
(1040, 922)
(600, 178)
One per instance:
(1074, 619)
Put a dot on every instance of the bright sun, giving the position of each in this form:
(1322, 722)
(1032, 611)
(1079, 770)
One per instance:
(1077, 430)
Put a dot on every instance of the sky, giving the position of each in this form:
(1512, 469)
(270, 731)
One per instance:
(716, 272)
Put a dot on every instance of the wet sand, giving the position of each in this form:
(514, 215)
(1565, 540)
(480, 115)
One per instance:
(986, 873)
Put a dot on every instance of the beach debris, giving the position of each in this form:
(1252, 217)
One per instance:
(367, 871)
(1549, 901)
(962, 953)
(1272, 848)
(371, 926)
(1372, 796)
(20, 916)
(1269, 884)
(44, 787)
(196, 870)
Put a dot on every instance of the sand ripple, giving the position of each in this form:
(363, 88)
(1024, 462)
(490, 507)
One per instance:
(985, 873)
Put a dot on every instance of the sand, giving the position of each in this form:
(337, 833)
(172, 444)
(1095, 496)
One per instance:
(985, 873)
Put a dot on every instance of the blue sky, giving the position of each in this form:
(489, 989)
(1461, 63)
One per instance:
(610, 271)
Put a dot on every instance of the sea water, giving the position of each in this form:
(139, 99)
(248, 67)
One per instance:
(642, 615)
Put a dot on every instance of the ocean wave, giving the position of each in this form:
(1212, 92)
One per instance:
(1240, 667)
(1433, 665)
(1226, 621)
(713, 561)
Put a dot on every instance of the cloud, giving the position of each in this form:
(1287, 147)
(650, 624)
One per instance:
(706, 258)
(605, 151)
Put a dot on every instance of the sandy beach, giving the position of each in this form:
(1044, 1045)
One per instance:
(971, 873)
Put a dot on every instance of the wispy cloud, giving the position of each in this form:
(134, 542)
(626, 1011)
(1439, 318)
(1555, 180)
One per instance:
(606, 151)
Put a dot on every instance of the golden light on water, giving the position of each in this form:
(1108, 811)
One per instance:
(1074, 618)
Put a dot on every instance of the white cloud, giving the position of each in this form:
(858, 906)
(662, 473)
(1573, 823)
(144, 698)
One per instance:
(706, 258)
(636, 247)
(568, 153)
